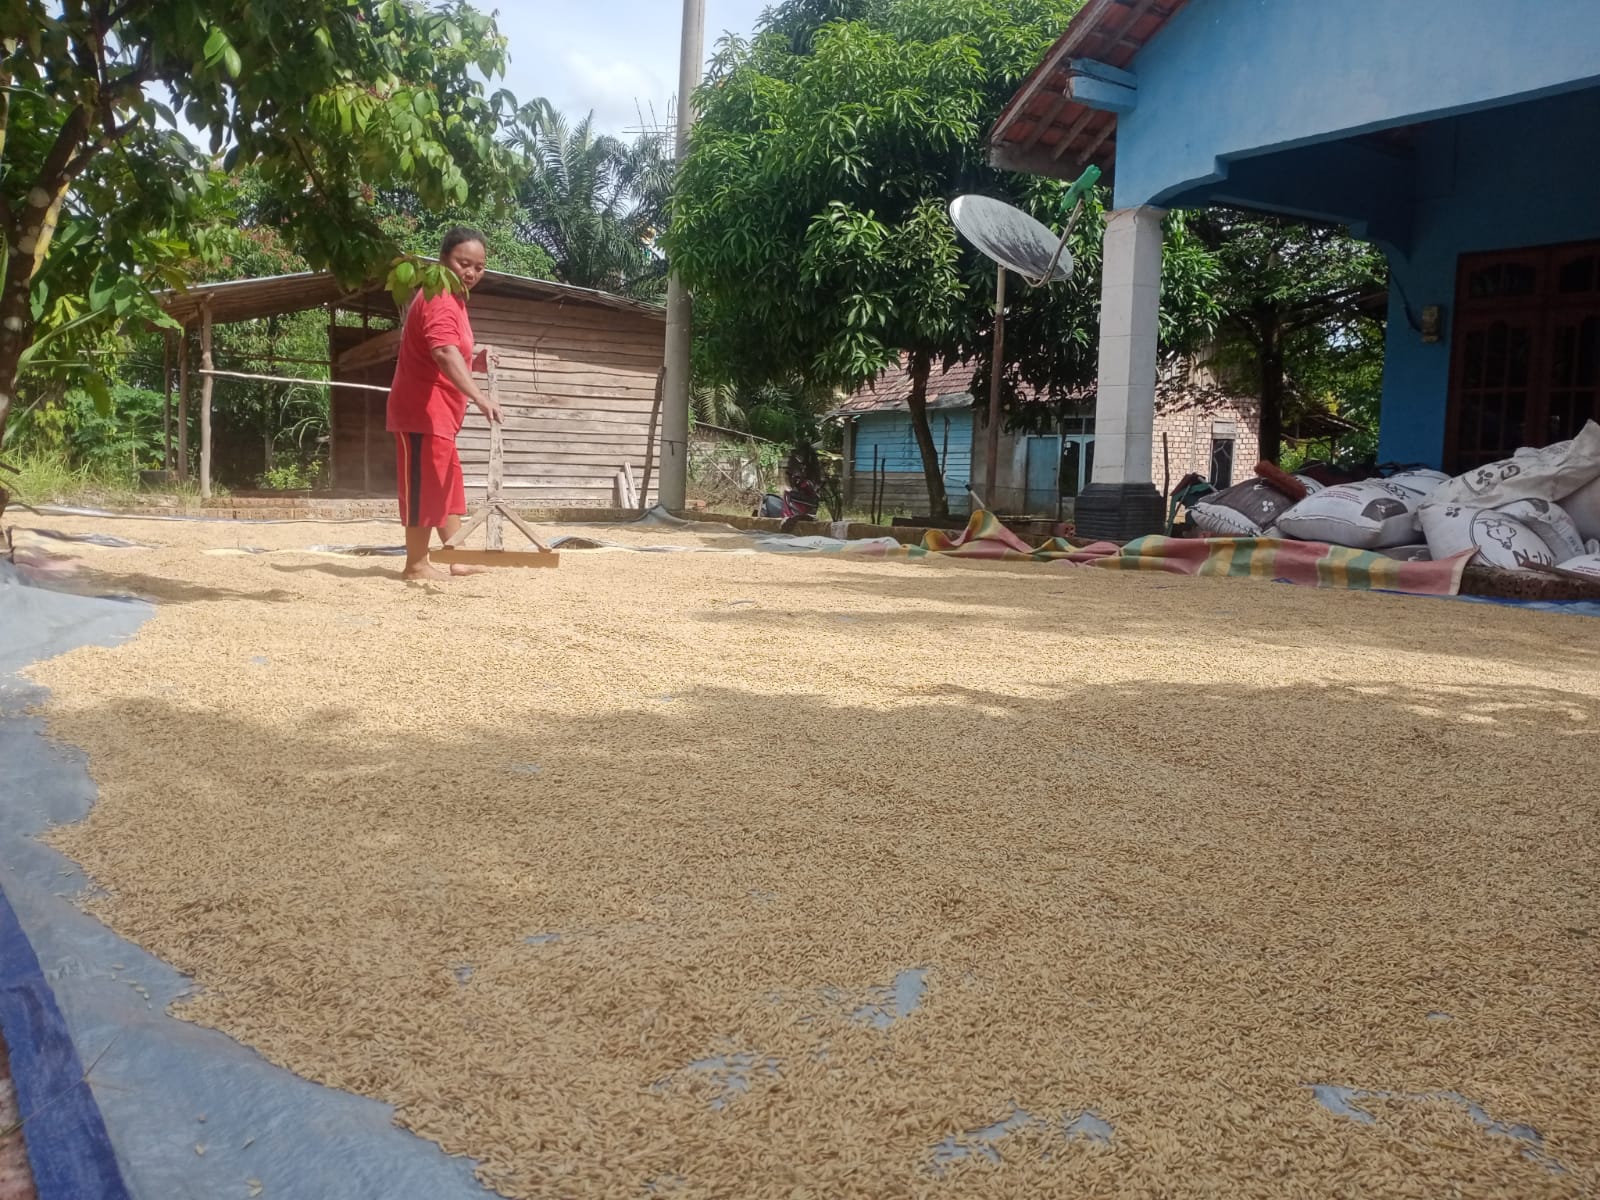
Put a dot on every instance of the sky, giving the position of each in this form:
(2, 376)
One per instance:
(616, 57)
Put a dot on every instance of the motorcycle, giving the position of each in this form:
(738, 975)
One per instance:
(802, 499)
(795, 503)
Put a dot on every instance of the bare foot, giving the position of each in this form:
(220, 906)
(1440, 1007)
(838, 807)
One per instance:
(466, 569)
(426, 573)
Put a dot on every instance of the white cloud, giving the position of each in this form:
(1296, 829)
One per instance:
(615, 88)
(612, 56)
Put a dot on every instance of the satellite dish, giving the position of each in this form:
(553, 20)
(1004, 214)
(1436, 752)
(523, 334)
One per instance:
(1012, 238)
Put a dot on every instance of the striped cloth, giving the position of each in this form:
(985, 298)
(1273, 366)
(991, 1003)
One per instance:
(1311, 564)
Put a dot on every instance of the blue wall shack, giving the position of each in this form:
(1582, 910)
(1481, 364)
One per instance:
(891, 436)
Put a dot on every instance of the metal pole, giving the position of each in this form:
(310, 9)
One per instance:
(995, 364)
(674, 485)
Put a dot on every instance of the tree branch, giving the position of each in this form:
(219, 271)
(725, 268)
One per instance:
(1248, 331)
(1314, 312)
(73, 130)
(5, 113)
(122, 11)
(1326, 308)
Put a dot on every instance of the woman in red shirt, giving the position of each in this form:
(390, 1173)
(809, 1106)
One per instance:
(428, 402)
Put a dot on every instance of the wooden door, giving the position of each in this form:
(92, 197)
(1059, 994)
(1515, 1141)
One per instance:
(1042, 475)
(1525, 367)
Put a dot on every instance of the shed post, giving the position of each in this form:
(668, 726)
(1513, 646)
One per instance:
(1121, 502)
(205, 400)
(166, 403)
(183, 405)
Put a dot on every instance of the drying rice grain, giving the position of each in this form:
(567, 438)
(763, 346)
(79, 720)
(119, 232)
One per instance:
(1169, 851)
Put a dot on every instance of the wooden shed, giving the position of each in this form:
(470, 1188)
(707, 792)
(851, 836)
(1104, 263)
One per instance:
(578, 379)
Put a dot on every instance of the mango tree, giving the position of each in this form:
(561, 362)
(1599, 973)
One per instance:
(810, 216)
(103, 201)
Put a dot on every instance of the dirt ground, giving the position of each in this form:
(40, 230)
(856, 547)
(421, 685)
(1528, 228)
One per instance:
(749, 875)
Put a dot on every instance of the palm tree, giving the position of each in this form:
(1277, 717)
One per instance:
(593, 202)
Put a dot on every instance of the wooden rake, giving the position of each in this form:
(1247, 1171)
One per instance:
(494, 512)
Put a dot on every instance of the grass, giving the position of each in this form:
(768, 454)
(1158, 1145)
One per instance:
(46, 477)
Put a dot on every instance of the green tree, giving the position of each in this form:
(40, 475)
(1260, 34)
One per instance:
(592, 202)
(1302, 313)
(418, 231)
(102, 201)
(810, 216)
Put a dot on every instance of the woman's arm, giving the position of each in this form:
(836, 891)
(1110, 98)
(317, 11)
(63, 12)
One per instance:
(455, 370)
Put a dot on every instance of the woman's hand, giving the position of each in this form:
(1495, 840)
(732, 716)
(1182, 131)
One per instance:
(490, 409)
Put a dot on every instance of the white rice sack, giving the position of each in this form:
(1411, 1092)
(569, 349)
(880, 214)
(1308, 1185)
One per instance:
(1368, 515)
(1419, 553)
(1583, 506)
(1500, 540)
(1223, 520)
(1242, 510)
(1550, 473)
(1550, 522)
(1584, 564)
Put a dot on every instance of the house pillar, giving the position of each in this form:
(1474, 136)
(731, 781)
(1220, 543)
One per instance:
(1121, 501)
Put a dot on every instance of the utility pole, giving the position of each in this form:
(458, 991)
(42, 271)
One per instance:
(675, 383)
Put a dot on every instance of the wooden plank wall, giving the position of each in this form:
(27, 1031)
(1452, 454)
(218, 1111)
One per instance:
(578, 382)
(361, 452)
(890, 434)
(905, 493)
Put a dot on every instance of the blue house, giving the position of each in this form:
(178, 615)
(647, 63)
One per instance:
(1460, 136)
(883, 466)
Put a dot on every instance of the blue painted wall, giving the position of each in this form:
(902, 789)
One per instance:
(1497, 180)
(1226, 79)
(1254, 103)
(896, 444)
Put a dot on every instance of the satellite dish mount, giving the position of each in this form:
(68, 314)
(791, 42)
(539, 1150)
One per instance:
(1014, 241)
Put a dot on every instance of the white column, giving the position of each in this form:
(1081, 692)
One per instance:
(1130, 304)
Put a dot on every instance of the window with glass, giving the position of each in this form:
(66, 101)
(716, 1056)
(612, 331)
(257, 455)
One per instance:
(1525, 365)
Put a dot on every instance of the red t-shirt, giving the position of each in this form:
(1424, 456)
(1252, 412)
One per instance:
(422, 399)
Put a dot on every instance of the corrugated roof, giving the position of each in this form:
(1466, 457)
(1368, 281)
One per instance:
(249, 299)
(1043, 130)
(891, 390)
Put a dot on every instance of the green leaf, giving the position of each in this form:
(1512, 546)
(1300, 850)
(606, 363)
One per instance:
(101, 288)
(230, 58)
(214, 46)
(95, 385)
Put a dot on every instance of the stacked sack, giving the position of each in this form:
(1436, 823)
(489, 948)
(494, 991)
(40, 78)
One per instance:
(1247, 509)
(1251, 508)
(1374, 514)
(1536, 508)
